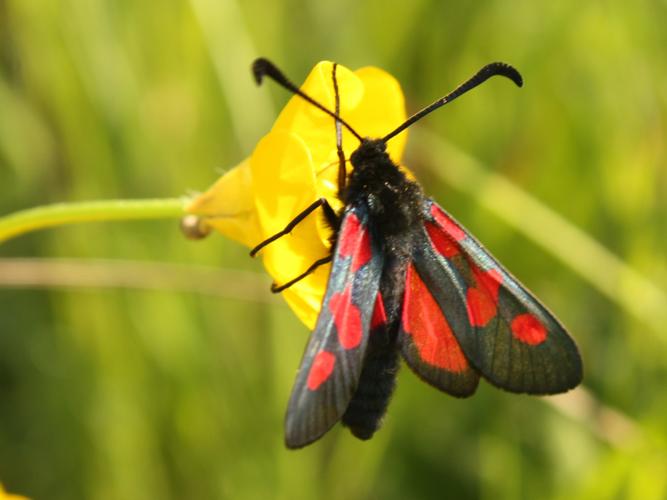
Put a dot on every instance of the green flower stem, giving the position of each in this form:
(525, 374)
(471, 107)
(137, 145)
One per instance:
(60, 214)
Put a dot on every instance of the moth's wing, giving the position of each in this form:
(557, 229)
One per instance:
(333, 359)
(507, 335)
(426, 337)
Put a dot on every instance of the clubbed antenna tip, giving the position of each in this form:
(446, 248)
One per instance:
(260, 68)
(504, 69)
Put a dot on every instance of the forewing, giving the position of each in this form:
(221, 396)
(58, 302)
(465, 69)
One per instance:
(504, 331)
(333, 359)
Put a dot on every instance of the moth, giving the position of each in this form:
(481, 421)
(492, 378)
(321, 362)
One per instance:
(408, 281)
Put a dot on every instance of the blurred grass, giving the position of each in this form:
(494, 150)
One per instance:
(127, 393)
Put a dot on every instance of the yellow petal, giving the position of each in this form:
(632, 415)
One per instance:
(229, 206)
(318, 130)
(379, 111)
(283, 185)
(294, 165)
(9, 496)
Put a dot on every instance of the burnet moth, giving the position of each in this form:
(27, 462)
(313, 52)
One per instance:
(409, 281)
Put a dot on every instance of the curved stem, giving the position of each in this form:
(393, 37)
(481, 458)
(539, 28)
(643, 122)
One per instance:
(59, 214)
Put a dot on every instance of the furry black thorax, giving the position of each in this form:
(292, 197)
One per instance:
(392, 199)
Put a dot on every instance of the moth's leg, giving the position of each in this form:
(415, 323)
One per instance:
(329, 213)
(279, 288)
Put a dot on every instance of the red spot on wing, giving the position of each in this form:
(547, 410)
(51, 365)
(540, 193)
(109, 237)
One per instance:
(347, 317)
(443, 242)
(379, 315)
(320, 370)
(488, 281)
(446, 222)
(355, 241)
(425, 323)
(528, 329)
(481, 307)
(482, 298)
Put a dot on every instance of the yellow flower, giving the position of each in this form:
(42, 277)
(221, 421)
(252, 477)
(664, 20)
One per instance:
(295, 164)
(8, 496)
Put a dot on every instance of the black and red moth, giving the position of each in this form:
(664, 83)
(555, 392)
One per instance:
(408, 280)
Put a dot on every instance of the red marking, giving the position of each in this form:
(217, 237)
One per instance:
(482, 299)
(488, 280)
(320, 370)
(450, 227)
(425, 323)
(355, 241)
(528, 329)
(442, 240)
(481, 307)
(379, 315)
(347, 318)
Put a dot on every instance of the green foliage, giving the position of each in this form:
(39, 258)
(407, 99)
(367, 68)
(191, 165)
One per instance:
(178, 391)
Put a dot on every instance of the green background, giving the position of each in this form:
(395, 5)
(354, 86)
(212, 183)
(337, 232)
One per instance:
(175, 385)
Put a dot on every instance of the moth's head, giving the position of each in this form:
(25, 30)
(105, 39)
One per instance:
(368, 150)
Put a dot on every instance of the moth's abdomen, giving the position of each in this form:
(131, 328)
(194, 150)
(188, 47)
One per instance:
(376, 386)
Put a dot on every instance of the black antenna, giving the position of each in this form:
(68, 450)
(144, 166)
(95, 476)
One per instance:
(263, 67)
(496, 68)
